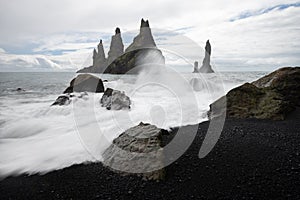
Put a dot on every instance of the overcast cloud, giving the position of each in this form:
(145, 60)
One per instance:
(60, 34)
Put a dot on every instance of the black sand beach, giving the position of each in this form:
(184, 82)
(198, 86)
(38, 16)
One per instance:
(253, 159)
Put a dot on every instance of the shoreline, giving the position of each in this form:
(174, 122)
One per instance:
(253, 159)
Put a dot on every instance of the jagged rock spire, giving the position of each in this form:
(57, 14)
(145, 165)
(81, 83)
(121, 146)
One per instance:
(144, 23)
(117, 31)
(196, 69)
(206, 67)
(144, 39)
(116, 46)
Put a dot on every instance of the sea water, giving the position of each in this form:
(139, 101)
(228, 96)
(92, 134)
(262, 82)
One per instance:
(37, 138)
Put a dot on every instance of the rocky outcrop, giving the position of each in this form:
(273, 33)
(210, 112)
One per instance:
(99, 61)
(206, 67)
(138, 149)
(116, 47)
(115, 100)
(196, 68)
(66, 99)
(144, 39)
(142, 51)
(271, 97)
(85, 83)
(62, 100)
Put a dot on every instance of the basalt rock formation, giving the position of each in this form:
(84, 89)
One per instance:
(138, 149)
(85, 83)
(196, 69)
(142, 51)
(272, 97)
(99, 61)
(206, 67)
(115, 100)
(116, 47)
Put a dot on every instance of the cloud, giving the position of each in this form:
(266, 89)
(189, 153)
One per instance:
(247, 14)
(248, 35)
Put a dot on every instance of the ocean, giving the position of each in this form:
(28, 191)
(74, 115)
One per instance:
(38, 138)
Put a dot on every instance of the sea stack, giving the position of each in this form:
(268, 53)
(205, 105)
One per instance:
(142, 52)
(206, 67)
(116, 46)
(144, 39)
(196, 69)
(99, 61)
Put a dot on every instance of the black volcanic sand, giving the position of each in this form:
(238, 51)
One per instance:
(253, 159)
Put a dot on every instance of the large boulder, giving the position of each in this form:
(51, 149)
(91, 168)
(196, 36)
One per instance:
(271, 97)
(115, 100)
(85, 83)
(137, 149)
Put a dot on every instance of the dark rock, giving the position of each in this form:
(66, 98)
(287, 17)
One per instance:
(85, 83)
(66, 99)
(115, 100)
(99, 61)
(140, 52)
(116, 47)
(62, 100)
(206, 67)
(196, 69)
(139, 141)
(271, 97)
(20, 90)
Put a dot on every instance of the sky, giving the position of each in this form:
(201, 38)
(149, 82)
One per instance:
(59, 35)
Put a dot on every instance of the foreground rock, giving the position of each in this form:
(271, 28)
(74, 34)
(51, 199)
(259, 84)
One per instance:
(271, 97)
(85, 83)
(115, 100)
(137, 149)
(206, 67)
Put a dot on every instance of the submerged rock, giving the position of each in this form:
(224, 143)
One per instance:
(115, 100)
(271, 97)
(137, 149)
(62, 100)
(85, 83)
(206, 67)
(66, 99)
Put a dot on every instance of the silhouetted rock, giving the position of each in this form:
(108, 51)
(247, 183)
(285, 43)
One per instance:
(115, 100)
(140, 52)
(196, 69)
(206, 67)
(116, 47)
(271, 97)
(62, 100)
(143, 142)
(85, 83)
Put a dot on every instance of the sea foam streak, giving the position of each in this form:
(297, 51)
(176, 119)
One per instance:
(38, 138)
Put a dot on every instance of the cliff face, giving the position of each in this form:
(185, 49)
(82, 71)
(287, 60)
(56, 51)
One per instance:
(141, 51)
(206, 67)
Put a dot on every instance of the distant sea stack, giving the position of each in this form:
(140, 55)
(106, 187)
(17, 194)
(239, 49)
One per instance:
(99, 61)
(116, 46)
(142, 51)
(196, 69)
(206, 67)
